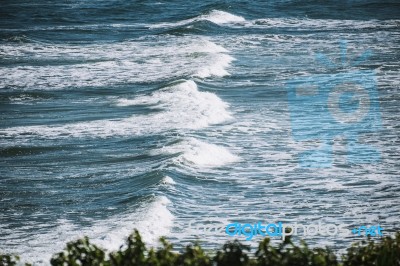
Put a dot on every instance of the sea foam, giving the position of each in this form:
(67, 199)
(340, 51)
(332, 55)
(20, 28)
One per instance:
(96, 65)
(178, 106)
(152, 219)
(222, 17)
(201, 154)
(215, 16)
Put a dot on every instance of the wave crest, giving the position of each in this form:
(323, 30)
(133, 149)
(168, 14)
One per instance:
(182, 106)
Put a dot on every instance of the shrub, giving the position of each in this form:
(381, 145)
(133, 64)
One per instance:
(8, 260)
(134, 254)
(233, 254)
(194, 255)
(80, 253)
(289, 254)
(385, 252)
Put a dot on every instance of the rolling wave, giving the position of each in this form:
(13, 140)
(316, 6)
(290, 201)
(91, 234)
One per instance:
(180, 106)
(200, 154)
(51, 67)
(215, 16)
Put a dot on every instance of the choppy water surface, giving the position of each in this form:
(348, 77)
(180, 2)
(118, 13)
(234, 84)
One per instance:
(118, 115)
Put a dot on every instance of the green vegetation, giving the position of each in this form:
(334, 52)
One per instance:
(384, 252)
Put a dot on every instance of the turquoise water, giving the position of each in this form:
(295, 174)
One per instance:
(118, 115)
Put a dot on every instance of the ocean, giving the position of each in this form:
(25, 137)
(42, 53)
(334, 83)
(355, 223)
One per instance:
(166, 115)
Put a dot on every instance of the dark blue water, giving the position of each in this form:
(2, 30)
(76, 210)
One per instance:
(118, 115)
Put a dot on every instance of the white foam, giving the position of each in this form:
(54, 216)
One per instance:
(182, 106)
(216, 68)
(153, 220)
(215, 16)
(222, 17)
(24, 99)
(64, 66)
(323, 24)
(201, 154)
(167, 180)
